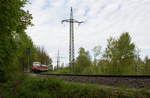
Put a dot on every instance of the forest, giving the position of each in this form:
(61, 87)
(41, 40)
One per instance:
(14, 41)
(121, 57)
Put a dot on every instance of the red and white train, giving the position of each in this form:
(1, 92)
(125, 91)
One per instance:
(38, 67)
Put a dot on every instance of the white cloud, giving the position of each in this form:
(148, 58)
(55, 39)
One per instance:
(103, 18)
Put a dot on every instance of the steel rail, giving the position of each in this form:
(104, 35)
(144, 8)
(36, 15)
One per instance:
(83, 75)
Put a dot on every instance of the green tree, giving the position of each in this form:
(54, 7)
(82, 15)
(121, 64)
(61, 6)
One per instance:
(23, 42)
(13, 20)
(146, 69)
(83, 61)
(102, 66)
(97, 52)
(42, 56)
(109, 56)
(138, 66)
(120, 54)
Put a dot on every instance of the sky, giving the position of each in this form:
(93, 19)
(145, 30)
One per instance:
(102, 19)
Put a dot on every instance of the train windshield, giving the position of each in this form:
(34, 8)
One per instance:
(36, 64)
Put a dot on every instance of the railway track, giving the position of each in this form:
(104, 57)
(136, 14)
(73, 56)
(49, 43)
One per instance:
(82, 75)
(129, 81)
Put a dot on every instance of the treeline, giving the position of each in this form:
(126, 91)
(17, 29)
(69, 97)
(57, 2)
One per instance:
(42, 56)
(14, 41)
(119, 57)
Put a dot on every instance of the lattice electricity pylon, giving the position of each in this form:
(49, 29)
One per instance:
(58, 59)
(71, 39)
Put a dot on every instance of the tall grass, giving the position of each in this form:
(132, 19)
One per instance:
(35, 87)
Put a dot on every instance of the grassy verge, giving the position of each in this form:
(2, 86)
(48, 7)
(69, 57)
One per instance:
(35, 87)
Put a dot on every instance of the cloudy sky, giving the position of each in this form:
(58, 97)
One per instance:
(102, 19)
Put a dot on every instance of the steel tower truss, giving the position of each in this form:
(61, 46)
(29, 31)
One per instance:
(71, 39)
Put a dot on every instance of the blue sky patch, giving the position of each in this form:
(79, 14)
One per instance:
(47, 4)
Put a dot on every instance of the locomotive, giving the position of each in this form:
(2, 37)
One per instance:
(38, 67)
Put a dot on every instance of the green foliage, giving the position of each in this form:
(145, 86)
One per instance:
(83, 61)
(42, 56)
(23, 42)
(120, 54)
(90, 70)
(97, 52)
(34, 87)
(146, 66)
(61, 70)
(13, 18)
(14, 40)
(13, 22)
(120, 57)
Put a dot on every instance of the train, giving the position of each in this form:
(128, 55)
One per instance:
(38, 67)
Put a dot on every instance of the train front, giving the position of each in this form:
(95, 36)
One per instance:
(36, 66)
